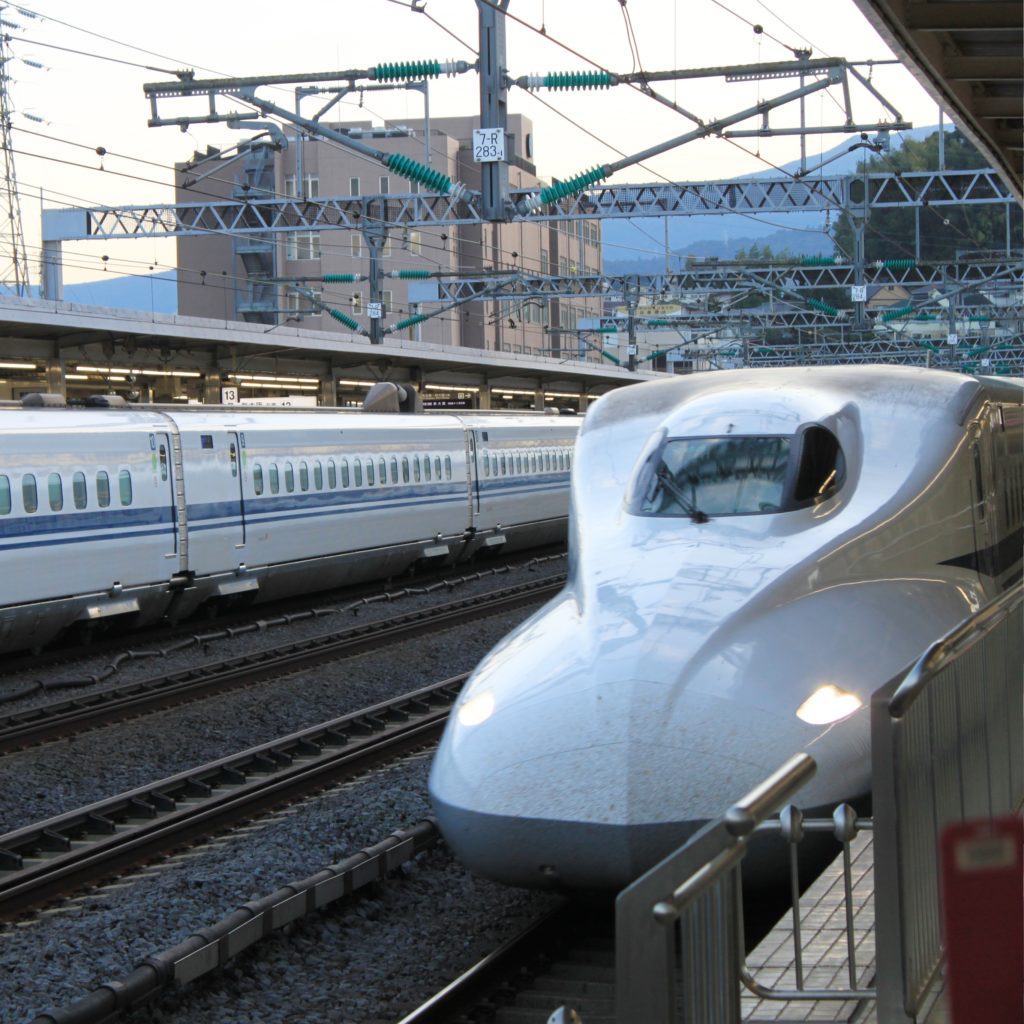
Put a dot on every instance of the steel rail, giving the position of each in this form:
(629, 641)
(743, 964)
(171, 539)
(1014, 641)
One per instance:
(72, 850)
(57, 719)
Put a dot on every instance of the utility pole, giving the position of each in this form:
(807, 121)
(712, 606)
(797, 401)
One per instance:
(12, 204)
(493, 105)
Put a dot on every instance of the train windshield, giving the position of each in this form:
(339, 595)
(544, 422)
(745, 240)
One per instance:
(716, 476)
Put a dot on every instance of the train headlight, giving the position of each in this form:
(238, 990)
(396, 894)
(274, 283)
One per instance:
(828, 704)
(477, 709)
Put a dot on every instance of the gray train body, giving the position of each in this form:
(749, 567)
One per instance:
(740, 542)
(130, 515)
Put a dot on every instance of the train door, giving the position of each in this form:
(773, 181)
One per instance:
(164, 482)
(983, 512)
(236, 443)
(473, 456)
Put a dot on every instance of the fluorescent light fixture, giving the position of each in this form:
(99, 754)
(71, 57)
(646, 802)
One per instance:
(828, 704)
(449, 387)
(279, 387)
(19, 366)
(274, 377)
(76, 376)
(117, 377)
(512, 391)
(356, 383)
(560, 394)
(102, 369)
(477, 709)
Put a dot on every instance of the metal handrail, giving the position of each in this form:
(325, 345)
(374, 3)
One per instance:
(949, 646)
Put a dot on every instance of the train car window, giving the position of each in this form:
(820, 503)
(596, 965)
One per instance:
(79, 491)
(344, 473)
(416, 469)
(494, 465)
(289, 477)
(822, 465)
(394, 470)
(206, 440)
(568, 460)
(124, 486)
(561, 460)
(426, 468)
(369, 472)
(502, 463)
(382, 474)
(163, 462)
(332, 474)
(29, 495)
(547, 461)
(5, 496)
(979, 482)
(533, 462)
(257, 478)
(55, 486)
(318, 476)
(405, 468)
(447, 467)
(233, 455)
(275, 479)
(303, 476)
(358, 467)
(102, 489)
(437, 467)
(487, 466)
(519, 463)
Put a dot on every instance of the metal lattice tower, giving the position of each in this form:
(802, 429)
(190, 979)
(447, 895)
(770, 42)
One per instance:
(12, 237)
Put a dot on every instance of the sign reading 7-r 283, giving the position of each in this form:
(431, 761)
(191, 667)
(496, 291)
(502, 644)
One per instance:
(488, 145)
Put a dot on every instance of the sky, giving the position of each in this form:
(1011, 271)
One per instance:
(95, 58)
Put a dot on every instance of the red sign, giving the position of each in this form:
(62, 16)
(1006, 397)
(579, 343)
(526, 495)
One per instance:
(983, 920)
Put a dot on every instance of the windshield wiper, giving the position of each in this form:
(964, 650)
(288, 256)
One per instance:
(687, 506)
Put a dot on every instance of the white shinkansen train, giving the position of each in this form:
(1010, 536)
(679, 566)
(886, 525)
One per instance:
(129, 515)
(752, 554)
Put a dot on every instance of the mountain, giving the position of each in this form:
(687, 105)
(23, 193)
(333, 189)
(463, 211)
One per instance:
(627, 243)
(149, 293)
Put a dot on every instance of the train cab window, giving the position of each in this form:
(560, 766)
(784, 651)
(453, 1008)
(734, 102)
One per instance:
(357, 466)
(822, 465)
(394, 470)
(79, 492)
(124, 486)
(5, 495)
(344, 473)
(318, 476)
(416, 469)
(369, 472)
(257, 478)
(303, 476)
(275, 479)
(289, 477)
(426, 469)
(102, 489)
(29, 495)
(382, 474)
(55, 486)
(447, 467)
(405, 469)
(163, 462)
(233, 455)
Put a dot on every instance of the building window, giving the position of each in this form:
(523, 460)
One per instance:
(356, 303)
(312, 186)
(385, 184)
(387, 297)
(353, 186)
(357, 246)
(415, 243)
(303, 245)
(545, 262)
(385, 249)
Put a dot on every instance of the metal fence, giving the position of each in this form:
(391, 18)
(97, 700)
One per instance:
(947, 742)
(947, 745)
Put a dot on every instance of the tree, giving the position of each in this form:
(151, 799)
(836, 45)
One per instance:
(945, 230)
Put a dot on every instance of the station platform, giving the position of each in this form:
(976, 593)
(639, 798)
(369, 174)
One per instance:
(825, 961)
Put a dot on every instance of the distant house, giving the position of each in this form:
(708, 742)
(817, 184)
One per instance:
(886, 296)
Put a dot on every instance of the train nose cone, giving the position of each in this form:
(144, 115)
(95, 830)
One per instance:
(582, 788)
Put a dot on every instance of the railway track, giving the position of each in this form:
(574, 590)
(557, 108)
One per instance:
(72, 850)
(46, 722)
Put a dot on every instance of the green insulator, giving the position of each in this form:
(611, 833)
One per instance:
(339, 278)
(418, 275)
(435, 181)
(407, 69)
(343, 319)
(900, 264)
(817, 261)
(659, 323)
(980, 319)
(924, 317)
(823, 307)
(577, 80)
(606, 330)
(615, 359)
(408, 322)
(571, 187)
(896, 314)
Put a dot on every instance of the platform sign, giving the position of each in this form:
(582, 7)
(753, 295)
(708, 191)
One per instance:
(952, 339)
(983, 920)
(858, 293)
(488, 145)
(229, 396)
